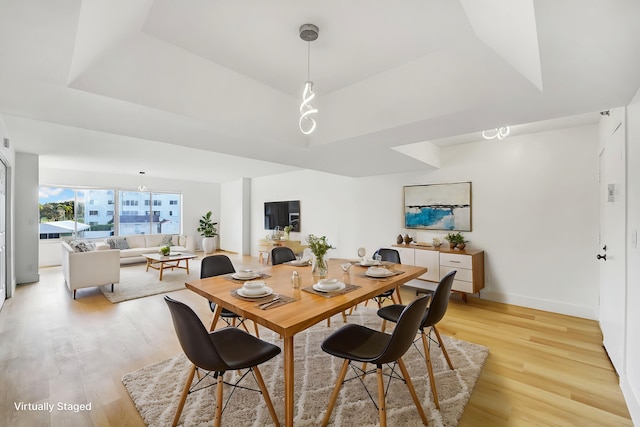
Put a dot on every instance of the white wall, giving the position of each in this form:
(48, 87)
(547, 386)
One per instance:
(235, 198)
(197, 197)
(535, 213)
(630, 379)
(27, 219)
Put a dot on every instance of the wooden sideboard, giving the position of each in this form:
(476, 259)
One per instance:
(265, 246)
(469, 264)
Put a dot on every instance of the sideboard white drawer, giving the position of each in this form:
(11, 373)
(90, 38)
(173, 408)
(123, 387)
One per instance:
(459, 285)
(461, 273)
(455, 260)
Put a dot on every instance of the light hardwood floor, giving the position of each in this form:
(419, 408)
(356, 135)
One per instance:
(543, 369)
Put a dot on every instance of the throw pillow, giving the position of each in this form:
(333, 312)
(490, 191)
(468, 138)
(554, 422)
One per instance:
(122, 243)
(166, 240)
(80, 246)
(117, 243)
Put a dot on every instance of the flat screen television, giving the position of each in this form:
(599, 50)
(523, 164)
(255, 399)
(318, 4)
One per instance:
(281, 214)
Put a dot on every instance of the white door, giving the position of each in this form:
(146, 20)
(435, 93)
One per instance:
(612, 238)
(3, 216)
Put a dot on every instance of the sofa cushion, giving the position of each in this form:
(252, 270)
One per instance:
(154, 240)
(82, 246)
(178, 240)
(117, 242)
(137, 241)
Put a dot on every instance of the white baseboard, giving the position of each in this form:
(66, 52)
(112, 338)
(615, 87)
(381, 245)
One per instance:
(542, 304)
(633, 403)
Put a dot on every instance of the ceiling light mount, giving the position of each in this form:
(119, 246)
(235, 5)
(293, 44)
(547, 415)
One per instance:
(309, 32)
(500, 133)
(142, 187)
(307, 124)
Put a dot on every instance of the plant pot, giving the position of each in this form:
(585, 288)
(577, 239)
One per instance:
(208, 244)
(461, 246)
(319, 267)
(452, 245)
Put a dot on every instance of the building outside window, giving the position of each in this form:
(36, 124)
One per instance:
(63, 214)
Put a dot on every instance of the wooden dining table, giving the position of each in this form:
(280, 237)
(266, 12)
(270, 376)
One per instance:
(307, 309)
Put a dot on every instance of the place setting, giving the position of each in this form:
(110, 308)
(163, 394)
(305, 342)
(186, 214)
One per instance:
(330, 287)
(380, 272)
(247, 274)
(300, 261)
(258, 291)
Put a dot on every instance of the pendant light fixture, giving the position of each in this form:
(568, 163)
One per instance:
(500, 133)
(142, 187)
(307, 124)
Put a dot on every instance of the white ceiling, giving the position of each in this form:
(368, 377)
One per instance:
(213, 82)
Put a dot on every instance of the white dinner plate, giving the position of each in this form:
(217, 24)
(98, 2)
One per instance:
(331, 288)
(367, 262)
(267, 291)
(253, 276)
(387, 273)
(299, 263)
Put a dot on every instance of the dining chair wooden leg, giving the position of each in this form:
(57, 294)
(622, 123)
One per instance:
(444, 350)
(328, 322)
(218, 417)
(384, 325)
(412, 390)
(382, 410)
(265, 394)
(336, 391)
(427, 357)
(185, 393)
(255, 326)
(244, 326)
(344, 316)
(395, 298)
(397, 292)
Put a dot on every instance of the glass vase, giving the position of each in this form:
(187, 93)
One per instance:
(319, 267)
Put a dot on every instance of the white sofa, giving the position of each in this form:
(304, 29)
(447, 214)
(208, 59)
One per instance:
(89, 269)
(133, 246)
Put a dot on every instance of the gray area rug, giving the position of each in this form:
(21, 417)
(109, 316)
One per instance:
(156, 389)
(135, 282)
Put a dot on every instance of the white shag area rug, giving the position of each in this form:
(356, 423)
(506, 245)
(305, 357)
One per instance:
(135, 282)
(156, 389)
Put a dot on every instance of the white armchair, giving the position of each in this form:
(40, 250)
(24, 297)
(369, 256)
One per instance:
(88, 269)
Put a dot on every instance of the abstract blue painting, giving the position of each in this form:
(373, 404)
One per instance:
(438, 206)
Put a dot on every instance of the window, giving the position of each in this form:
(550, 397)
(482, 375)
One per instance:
(63, 214)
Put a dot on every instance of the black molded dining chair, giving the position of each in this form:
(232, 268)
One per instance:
(389, 255)
(357, 343)
(217, 265)
(217, 352)
(435, 313)
(282, 254)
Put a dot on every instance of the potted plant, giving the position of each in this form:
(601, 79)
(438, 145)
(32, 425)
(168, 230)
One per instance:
(208, 232)
(165, 250)
(455, 240)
